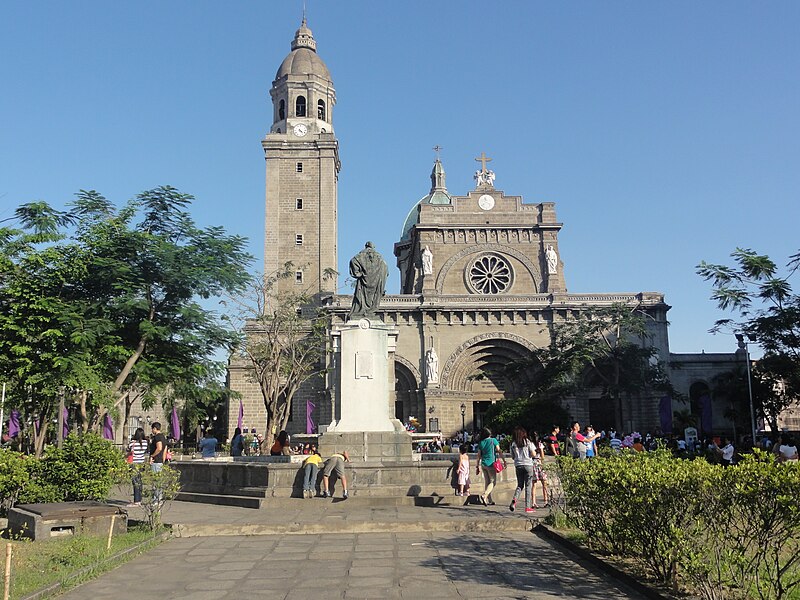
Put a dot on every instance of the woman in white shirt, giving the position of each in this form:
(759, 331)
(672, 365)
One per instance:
(786, 450)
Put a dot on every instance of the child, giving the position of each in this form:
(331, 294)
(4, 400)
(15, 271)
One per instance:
(463, 470)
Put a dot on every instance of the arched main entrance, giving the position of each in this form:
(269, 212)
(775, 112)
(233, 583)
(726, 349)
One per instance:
(479, 367)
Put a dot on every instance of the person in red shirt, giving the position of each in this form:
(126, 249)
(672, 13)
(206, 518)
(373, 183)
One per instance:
(552, 441)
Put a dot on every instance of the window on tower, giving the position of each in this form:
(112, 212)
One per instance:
(298, 204)
(299, 167)
(298, 277)
(298, 239)
(300, 107)
(282, 111)
(321, 110)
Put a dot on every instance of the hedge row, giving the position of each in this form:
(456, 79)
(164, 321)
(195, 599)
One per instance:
(84, 469)
(720, 532)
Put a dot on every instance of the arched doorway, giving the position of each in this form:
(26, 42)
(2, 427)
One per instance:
(406, 389)
(479, 367)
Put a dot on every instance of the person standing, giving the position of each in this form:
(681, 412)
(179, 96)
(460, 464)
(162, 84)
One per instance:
(522, 452)
(158, 453)
(726, 452)
(237, 443)
(576, 446)
(158, 447)
(281, 446)
(137, 450)
(786, 450)
(488, 452)
(552, 441)
(335, 464)
(208, 445)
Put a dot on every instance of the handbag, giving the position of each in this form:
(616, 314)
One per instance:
(498, 466)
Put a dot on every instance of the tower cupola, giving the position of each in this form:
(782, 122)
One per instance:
(303, 92)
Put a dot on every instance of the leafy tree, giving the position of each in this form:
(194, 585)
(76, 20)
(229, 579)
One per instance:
(109, 300)
(534, 414)
(600, 347)
(284, 341)
(768, 311)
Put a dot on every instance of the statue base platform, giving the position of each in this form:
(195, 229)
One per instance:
(363, 446)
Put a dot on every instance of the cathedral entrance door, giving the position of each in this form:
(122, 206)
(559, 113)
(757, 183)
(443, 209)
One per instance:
(479, 411)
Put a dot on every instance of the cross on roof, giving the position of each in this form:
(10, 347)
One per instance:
(437, 148)
(483, 160)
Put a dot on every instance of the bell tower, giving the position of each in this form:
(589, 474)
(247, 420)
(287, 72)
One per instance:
(302, 155)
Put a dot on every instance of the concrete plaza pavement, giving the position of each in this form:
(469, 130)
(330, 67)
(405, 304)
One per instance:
(355, 565)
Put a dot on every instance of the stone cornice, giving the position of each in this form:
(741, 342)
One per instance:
(339, 304)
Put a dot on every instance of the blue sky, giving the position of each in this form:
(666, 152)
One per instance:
(666, 132)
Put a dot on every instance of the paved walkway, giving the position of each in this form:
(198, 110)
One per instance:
(365, 565)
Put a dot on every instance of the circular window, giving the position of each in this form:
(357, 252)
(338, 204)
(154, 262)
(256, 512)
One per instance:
(489, 274)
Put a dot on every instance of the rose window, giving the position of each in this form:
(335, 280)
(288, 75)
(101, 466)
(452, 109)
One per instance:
(489, 274)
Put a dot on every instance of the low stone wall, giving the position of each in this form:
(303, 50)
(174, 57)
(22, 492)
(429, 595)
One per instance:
(284, 480)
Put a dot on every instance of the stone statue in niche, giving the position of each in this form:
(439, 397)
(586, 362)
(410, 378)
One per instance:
(431, 366)
(369, 271)
(552, 260)
(427, 261)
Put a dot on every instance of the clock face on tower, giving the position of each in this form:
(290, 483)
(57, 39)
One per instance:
(300, 130)
(486, 202)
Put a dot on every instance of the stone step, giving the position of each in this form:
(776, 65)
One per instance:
(461, 525)
(244, 501)
(222, 499)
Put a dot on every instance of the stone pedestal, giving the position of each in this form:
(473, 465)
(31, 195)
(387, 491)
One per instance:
(363, 365)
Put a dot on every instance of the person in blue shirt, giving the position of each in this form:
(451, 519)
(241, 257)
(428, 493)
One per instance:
(488, 452)
(208, 445)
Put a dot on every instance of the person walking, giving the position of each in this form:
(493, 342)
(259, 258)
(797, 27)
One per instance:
(539, 473)
(488, 452)
(463, 470)
(786, 450)
(310, 469)
(335, 464)
(137, 450)
(522, 452)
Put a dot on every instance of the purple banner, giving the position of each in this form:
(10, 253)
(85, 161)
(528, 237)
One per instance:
(176, 425)
(241, 415)
(108, 427)
(65, 429)
(310, 427)
(665, 412)
(705, 414)
(13, 424)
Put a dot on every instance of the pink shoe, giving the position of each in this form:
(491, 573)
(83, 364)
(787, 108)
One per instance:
(530, 510)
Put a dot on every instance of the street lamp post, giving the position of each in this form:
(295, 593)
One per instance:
(463, 413)
(743, 346)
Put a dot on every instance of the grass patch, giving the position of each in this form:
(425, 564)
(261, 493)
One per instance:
(69, 561)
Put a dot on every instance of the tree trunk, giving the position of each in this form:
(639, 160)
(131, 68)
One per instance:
(129, 364)
(38, 442)
(82, 397)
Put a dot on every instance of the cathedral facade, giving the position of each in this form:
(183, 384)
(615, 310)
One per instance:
(482, 282)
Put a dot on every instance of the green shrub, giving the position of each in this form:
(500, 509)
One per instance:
(727, 532)
(85, 467)
(158, 488)
(14, 477)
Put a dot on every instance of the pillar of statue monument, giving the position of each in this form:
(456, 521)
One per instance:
(363, 369)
